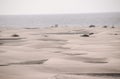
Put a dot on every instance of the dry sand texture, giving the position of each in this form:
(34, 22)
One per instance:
(60, 53)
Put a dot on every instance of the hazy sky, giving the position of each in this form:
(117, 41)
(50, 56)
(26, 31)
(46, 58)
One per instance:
(58, 6)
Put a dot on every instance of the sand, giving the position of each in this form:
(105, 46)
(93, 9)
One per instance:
(60, 53)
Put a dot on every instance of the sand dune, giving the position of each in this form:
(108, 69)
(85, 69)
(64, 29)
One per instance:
(60, 53)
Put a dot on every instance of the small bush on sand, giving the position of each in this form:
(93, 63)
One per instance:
(84, 35)
(112, 27)
(56, 25)
(115, 34)
(15, 35)
(92, 26)
(91, 33)
(105, 26)
(45, 35)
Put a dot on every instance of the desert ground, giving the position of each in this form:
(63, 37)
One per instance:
(60, 53)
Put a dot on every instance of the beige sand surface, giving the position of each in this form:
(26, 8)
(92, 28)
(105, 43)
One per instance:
(60, 53)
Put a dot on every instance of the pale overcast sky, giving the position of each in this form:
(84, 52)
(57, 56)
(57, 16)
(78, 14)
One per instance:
(58, 6)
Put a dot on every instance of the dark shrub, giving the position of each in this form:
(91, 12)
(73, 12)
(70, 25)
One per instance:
(105, 26)
(112, 27)
(91, 33)
(92, 26)
(15, 35)
(45, 36)
(1, 43)
(56, 25)
(85, 35)
(115, 34)
(52, 26)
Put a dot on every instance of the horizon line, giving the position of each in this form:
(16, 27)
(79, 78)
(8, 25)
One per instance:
(62, 13)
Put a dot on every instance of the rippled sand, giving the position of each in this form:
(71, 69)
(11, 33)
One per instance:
(60, 53)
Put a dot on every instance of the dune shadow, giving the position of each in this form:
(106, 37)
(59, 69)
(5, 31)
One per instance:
(32, 62)
(57, 52)
(11, 38)
(87, 76)
(1, 51)
(65, 33)
(16, 41)
(74, 54)
(52, 40)
(97, 74)
(89, 59)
